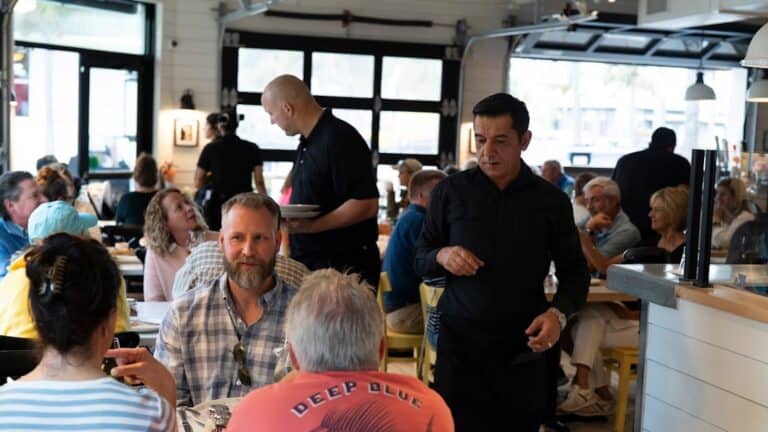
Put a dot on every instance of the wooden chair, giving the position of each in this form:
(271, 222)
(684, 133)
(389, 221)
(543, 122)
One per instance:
(621, 359)
(394, 339)
(429, 296)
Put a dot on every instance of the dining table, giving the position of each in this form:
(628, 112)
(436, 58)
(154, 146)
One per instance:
(598, 292)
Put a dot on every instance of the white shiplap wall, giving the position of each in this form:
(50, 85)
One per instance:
(706, 370)
(194, 62)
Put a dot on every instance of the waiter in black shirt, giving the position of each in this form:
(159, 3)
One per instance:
(332, 169)
(228, 162)
(493, 230)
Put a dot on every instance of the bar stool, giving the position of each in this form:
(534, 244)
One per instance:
(621, 359)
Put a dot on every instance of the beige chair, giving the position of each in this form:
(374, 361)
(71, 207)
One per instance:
(621, 359)
(396, 340)
(429, 296)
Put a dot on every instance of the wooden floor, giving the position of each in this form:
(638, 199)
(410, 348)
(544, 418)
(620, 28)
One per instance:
(597, 426)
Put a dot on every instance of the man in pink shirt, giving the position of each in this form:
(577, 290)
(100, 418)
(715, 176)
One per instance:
(335, 333)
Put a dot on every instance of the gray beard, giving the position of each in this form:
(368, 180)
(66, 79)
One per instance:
(250, 280)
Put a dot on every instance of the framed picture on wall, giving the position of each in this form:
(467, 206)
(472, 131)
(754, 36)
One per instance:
(185, 132)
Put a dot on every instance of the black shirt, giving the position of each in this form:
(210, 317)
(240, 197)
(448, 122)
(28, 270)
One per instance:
(642, 173)
(516, 232)
(130, 210)
(231, 162)
(333, 165)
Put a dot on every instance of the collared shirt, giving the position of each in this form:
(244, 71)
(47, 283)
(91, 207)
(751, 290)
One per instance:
(565, 183)
(199, 332)
(398, 261)
(206, 263)
(517, 232)
(620, 236)
(12, 239)
(333, 165)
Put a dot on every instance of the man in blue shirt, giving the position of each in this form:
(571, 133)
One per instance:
(402, 303)
(20, 196)
(553, 172)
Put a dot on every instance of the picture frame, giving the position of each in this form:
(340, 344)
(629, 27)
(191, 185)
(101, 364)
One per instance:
(185, 132)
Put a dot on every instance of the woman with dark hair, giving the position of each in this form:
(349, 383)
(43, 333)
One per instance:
(131, 208)
(54, 185)
(731, 211)
(228, 164)
(74, 286)
(172, 227)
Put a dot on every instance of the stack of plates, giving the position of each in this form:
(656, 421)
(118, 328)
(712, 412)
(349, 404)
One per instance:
(299, 211)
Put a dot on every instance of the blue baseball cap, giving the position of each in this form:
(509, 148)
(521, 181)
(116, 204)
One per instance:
(56, 217)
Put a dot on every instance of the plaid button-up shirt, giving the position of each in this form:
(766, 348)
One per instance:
(206, 263)
(201, 328)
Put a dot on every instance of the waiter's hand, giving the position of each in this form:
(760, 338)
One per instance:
(544, 332)
(300, 226)
(459, 261)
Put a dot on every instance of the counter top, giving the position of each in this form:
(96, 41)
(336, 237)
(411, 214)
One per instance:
(660, 284)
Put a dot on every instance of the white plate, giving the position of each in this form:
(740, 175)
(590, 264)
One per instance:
(300, 215)
(293, 208)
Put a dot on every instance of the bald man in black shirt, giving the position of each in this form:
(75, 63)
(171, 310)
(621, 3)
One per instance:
(493, 231)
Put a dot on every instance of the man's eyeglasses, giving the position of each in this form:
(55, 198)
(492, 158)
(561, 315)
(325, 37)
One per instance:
(238, 352)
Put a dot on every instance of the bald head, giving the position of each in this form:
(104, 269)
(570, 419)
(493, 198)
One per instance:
(290, 105)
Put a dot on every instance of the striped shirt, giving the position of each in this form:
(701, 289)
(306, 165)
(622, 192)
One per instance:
(199, 332)
(206, 263)
(92, 405)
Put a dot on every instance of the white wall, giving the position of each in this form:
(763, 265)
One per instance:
(194, 62)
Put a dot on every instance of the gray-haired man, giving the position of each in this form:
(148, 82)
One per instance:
(335, 334)
(20, 196)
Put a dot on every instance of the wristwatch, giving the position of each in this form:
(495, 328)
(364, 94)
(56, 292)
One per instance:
(561, 318)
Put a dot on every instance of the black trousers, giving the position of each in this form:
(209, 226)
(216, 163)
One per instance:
(487, 381)
(364, 260)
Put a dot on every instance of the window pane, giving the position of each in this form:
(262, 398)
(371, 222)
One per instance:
(257, 67)
(46, 119)
(411, 78)
(256, 127)
(274, 177)
(360, 119)
(59, 23)
(409, 132)
(595, 121)
(342, 75)
(112, 119)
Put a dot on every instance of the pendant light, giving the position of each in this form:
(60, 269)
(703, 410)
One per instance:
(757, 52)
(758, 91)
(699, 91)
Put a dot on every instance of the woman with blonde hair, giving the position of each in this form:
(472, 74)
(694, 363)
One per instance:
(172, 226)
(731, 211)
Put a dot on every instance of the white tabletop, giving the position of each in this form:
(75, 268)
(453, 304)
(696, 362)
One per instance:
(129, 265)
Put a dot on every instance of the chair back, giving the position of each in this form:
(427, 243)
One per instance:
(384, 286)
(429, 296)
(18, 356)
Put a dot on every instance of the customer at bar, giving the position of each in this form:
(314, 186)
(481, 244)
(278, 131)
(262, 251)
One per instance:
(21, 196)
(642, 173)
(608, 232)
(731, 211)
(553, 172)
(133, 205)
(173, 226)
(406, 168)
(73, 298)
(335, 334)
(226, 166)
(603, 325)
(333, 170)
(493, 231)
(402, 304)
(219, 339)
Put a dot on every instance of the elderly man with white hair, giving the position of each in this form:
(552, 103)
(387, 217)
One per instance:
(335, 334)
(608, 232)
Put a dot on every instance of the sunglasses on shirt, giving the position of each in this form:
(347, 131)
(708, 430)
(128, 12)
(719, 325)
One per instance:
(238, 352)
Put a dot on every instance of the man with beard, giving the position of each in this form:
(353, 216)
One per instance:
(218, 339)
